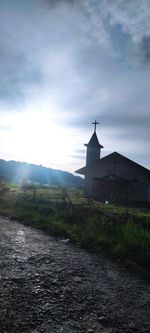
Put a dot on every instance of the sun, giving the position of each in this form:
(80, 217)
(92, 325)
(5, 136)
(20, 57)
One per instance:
(36, 138)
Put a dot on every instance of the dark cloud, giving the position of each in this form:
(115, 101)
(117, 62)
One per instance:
(77, 156)
(80, 151)
(121, 26)
(145, 49)
(29, 34)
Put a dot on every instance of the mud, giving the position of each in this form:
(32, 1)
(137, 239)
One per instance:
(50, 285)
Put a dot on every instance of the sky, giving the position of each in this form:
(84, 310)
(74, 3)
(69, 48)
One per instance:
(66, 63)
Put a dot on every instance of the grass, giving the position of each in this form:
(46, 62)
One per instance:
(123, 233)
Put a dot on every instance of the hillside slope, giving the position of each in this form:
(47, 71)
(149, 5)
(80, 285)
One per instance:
(13, 171)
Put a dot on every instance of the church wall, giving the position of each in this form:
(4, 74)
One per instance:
(141, 194)
(149, 191)
(88, 184)
(140, 182)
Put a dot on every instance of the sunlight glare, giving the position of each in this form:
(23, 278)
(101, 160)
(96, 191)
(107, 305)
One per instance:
(37, 138)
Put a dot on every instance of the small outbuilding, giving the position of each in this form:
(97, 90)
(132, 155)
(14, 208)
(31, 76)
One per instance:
(114, 178)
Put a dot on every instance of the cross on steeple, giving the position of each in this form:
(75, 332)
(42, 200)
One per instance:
(95, 123)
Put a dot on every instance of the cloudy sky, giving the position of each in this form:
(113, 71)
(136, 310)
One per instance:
(65, 63)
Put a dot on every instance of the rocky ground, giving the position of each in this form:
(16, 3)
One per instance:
(50, 285)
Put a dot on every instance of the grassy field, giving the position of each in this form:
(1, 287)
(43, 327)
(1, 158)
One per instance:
(123, 233)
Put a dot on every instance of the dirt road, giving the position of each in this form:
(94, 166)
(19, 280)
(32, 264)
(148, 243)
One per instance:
(49, 285)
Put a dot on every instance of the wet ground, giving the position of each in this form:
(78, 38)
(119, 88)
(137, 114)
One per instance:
(50, 285)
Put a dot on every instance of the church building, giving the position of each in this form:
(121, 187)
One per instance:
(114, 178)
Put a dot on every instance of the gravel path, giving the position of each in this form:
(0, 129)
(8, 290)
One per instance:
(50, 285)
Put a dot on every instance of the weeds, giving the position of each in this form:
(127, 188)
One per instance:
(118, 231)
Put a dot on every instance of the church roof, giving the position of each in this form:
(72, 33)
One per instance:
(116, 156)
(94, 141)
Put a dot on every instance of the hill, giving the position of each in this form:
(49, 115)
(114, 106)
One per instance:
(13, 171)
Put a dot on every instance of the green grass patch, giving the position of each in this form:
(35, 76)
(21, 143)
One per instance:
(121, 232)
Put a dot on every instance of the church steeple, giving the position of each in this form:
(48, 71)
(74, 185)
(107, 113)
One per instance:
(93, 148)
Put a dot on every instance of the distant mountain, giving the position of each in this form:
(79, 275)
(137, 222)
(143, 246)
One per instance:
(13, 171)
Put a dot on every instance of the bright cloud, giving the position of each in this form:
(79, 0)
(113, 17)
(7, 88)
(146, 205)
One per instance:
(64, 64)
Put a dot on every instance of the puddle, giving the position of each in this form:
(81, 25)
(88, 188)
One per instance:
(20, 237)
(19, 246)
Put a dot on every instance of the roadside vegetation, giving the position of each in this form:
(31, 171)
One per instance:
(118, 231)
